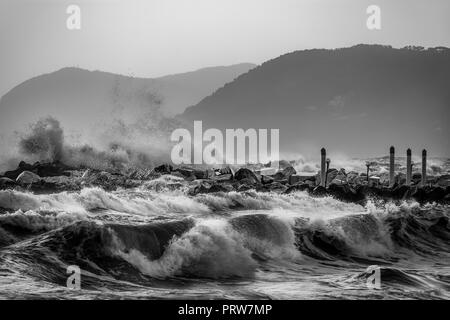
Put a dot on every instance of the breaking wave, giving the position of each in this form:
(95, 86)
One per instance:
(142, 237)
(116, 145)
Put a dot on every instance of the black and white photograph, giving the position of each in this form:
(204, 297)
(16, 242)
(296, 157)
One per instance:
(224, 150)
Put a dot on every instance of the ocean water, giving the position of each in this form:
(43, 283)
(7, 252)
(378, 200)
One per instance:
(156, 242)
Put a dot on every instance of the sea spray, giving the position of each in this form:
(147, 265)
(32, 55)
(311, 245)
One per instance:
(211, 249)
(45, 141)
(121, 146)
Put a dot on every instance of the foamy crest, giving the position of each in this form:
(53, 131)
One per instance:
(211, 249)
(90, 199)
(298, 204)
(37, 221)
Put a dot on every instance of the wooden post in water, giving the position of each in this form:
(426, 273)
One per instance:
(326, 172)
(424, 167)
(408, 167)
(368, 168)
(391, 166)
(323, 172)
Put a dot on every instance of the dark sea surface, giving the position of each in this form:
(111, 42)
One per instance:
(156, 242)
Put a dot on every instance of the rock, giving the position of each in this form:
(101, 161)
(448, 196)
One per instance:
(341, 177)
(400, 178)
(13, 174)
(384, 179)
(226, 170)
(311, 183)
(163, 169)
(185, 172)
(447, 198)
(401, 192)
(208, 186)
(141, 174)
(266, 179)
(319, 191)
(59, 180)
(204, 174)
(200, 187)
(360, 179)
(220, 188)
(177, 174)
(352, 176)
(284, 174)
(59, 183)
(276, 187)
(383, 192)
(295, 179)
(200, 174)
(337, 181)
(249, 182)
(331, 175)
(26, 166)
(344, 192)
(249, 175)
(281, 164)
(210, 173)
(51, 169)
(244, 187)
(421, 194)
(191, 178)
(107, 180)
(223, 177)
(374, 181)
(416, 177)
(298, 187)
(267, 171)
(6, 183)
(28, 177)
(436, 194)
(443, 181)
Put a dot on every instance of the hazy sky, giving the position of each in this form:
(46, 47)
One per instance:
(149, 38)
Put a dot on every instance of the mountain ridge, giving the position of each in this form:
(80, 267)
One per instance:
(76, 96)
(357, 100)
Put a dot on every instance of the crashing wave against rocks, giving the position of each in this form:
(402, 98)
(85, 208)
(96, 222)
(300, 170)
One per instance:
(352, 187)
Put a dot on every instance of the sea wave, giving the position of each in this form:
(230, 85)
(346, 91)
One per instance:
(220, 247)
(147, 238)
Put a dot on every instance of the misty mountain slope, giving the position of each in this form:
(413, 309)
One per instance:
(356, 100)
(80, 99)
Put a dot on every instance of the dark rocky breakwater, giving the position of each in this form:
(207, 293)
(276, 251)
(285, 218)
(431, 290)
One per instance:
(354, 187)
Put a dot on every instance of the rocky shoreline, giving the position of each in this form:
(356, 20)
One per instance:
(349, 187)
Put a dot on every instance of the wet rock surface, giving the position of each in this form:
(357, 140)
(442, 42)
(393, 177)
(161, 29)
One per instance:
(349, 187)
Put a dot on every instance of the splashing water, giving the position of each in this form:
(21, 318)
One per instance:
(150, 241)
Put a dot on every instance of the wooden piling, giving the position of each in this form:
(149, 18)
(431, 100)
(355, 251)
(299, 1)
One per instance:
(391, 166)
(408, 167)
(326, 171)
(323, 157)
(368, 169)
(424, 167)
